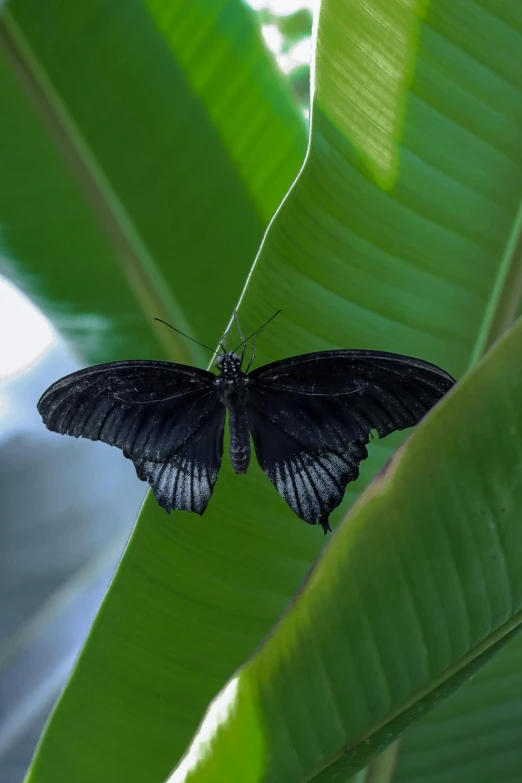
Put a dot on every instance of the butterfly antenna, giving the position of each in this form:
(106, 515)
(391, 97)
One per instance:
(185, 335)
(258, 330)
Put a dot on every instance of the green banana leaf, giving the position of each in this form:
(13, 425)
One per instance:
(474, 735)
(419, 587)
(101, 211)
(398, 235)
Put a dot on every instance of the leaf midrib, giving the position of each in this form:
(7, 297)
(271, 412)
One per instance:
(137, 263)
(508, 628)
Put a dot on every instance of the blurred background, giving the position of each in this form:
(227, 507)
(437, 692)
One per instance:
(61, 531)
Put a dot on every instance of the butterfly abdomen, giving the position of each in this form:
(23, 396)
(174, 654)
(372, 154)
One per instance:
(239, 439)
(234, 394)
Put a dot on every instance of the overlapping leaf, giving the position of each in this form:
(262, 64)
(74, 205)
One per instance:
(418, 588)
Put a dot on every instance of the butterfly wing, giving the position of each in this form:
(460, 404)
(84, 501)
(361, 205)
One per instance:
(310, 477)
(311, 416)
(165, 417)
(145, 408)
(186, 481)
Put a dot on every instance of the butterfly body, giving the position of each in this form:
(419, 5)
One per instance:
(233, 392)
(309, 417)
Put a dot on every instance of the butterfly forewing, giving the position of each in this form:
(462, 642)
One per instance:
(165, 417)
(145, 408)
(358, 390)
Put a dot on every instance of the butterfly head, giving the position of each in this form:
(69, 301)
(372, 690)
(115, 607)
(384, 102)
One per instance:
(229, 365)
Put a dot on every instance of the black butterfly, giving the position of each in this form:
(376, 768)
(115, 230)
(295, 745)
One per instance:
(310, 417)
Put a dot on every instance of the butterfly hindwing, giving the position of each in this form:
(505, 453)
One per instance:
(186, 481)
(148, 409)
(311, 478)
(311, 416)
